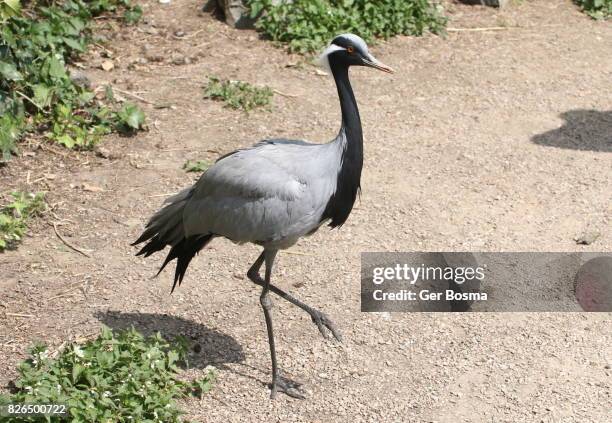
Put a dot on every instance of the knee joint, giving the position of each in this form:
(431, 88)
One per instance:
(254, 277)
(265, 301)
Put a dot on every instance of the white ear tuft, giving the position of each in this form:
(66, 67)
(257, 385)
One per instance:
(323, 60)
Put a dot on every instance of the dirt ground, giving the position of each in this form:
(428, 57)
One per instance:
(483, 140)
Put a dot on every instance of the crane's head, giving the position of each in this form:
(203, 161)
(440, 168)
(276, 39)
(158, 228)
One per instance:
(350, 50)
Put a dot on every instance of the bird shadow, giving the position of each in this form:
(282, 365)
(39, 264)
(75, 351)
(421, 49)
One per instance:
(586, 130)
(209, 347)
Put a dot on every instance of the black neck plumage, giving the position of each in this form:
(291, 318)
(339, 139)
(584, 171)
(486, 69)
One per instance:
(349, 175)
(351, 122)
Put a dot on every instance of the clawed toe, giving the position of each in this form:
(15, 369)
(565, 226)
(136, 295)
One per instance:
(287, 386)
(324, 324)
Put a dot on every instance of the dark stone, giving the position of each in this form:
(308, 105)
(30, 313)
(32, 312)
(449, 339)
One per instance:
(80, 78)
(235, 11)
(492, 3)
(593, 285)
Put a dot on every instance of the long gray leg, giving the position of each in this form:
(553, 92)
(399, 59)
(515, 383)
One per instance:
(279, 383)
(320, 319)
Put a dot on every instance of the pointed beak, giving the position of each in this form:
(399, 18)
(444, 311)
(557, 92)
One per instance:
(374, 63)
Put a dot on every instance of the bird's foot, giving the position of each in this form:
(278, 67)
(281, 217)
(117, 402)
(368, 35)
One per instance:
(325, 324)
(286, 386)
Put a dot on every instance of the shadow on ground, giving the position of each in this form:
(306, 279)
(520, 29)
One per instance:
(587, 130)
(209, 346)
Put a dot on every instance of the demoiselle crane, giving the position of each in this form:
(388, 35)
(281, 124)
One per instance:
(272, 194)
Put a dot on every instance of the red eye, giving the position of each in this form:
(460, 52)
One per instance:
(350, 49)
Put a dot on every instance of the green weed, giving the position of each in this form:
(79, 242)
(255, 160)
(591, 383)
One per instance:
(196, 165)
(14, 217)
(307, 25)
(132, 15)
(130, 118)
(597, 9)
(9, 8)
(10, 130)
(120, 376)
(36, 89)
(238, 94)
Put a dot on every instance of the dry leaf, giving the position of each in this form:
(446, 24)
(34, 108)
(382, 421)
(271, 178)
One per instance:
(107, 65)
(91, 188)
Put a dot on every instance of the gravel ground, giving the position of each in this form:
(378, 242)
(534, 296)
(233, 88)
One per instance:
(484, 141)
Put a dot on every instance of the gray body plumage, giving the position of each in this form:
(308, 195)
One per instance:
(270, 194)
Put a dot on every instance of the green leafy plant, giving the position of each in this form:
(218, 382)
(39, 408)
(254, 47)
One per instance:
(37, 93)
(597, 9)
(15, 215)
(130, 118)
(120, 376)
(132, 15)
(196, 165)
(10, 130)
(238, 94)
(9, 8)
(307, 25)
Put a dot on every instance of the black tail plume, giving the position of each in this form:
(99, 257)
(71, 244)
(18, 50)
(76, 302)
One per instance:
(166, 228)
(184, 251)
